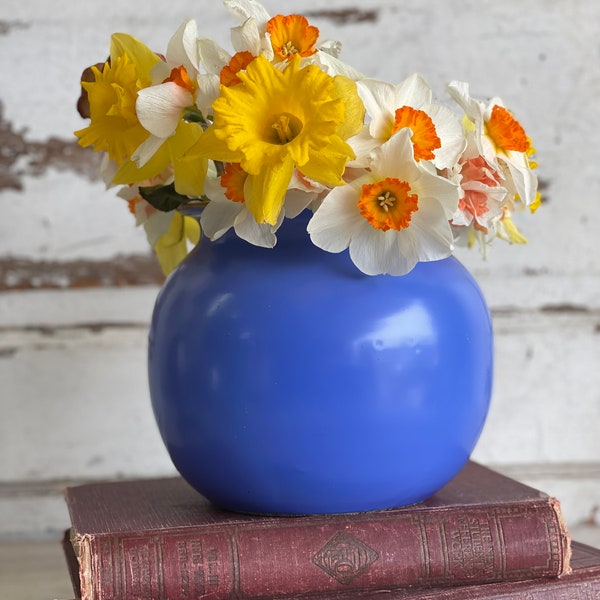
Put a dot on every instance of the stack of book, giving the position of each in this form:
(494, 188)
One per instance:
(484, 535)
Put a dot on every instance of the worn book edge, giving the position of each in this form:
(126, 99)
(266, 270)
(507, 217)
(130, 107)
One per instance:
(565, 538)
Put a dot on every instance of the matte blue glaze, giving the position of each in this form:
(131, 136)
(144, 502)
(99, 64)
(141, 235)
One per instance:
(285, 381)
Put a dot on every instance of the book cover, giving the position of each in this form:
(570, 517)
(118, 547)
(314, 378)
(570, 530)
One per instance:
(582, 583)
(159, 538)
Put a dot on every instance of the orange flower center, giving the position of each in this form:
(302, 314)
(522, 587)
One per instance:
(505, 131)
(388, 204)
(424, 136)
(239, 61)
(233, 180)
(292, 35)
(179, 75)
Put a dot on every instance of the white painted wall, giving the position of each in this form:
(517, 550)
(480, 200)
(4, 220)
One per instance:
(73, 395)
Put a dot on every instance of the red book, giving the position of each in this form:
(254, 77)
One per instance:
(582, 583)
(154, 539)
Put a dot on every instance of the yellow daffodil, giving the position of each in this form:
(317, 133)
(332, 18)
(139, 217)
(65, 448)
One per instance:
(173, 245)
(175, 154)
(161, 109)
(278, 120)
(115, 127)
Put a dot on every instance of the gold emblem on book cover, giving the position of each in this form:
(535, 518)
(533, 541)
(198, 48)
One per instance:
(344, 557)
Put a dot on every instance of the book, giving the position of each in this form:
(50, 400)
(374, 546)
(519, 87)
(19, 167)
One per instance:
(582, 583)
(159, 538)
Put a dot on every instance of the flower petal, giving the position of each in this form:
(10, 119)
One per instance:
(159, 107)
(246, 9)
(219, 216)
(378, 98)
(413, 91)
(182, 48)
(213, 57)
(336, 221)
(258, 234)
(376, 252)
(265, 192)
(143, 58)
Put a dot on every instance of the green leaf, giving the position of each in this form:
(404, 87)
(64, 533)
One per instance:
(163, 197)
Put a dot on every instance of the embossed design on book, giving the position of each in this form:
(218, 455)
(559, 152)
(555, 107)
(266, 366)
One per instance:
(344, 557)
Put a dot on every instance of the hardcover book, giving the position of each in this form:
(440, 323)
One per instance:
(159, 538)
(582, 583)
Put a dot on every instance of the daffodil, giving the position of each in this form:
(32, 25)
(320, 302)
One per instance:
(292, 35)
(162, 110)
(279, 39)
(436, 133)
(227, 208)
(481, 193)
(392, 217)
(277, 120)
(282, 37)
(161, 106)
(115, 127)
(501, 140)
(170, 234)
(174, 245)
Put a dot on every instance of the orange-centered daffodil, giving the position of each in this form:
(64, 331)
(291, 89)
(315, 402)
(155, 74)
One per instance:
(505, 131)
(388, 203)
(291, 35)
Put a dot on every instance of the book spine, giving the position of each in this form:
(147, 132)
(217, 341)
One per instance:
(370, 551)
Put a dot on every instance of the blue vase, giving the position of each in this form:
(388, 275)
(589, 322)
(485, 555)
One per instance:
(285, 381)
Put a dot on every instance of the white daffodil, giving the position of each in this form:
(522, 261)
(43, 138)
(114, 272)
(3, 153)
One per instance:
(437, 134)
(501, 140)
(394, 216)
(481, 193)
(161, 106)
(279, 38)
(227, 207)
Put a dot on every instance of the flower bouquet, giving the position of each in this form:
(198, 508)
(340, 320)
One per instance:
(283, 125)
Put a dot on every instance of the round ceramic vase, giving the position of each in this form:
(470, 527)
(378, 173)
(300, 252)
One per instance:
(284, 381)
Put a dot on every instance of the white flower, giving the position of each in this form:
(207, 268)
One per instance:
(228, 209)
(252, 35)
(481, 193)
(392, 217)
(436, 132)
(161, 106)
(501, 140)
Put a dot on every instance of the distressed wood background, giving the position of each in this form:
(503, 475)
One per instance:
(77, 282)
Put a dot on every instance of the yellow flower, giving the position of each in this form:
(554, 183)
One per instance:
(172, 247)
(114, 127)
(275, 121)
(176, 154)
